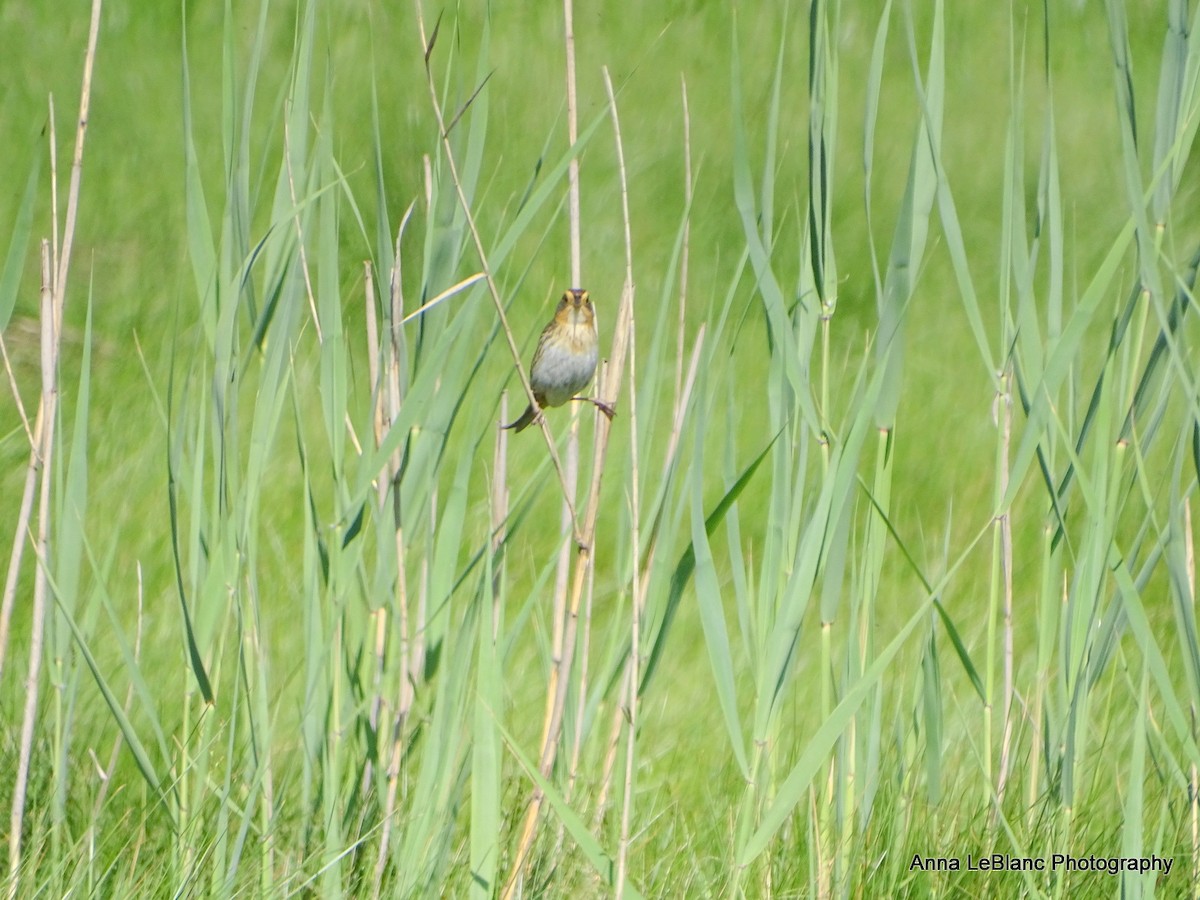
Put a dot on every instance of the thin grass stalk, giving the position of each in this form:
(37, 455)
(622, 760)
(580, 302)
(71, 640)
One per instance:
(63, 260)
(427, 44)
(572, 139)
(681, 405)
(683, 388)
(33, 434)
(259, 720)
(378, 711)
(15, 557)
(1194, 815)
(1004, 423)
(643, 576)
(20, 408)
(54, 232)
(640, 579)
(1012, 197)
(673, 440)
(840, 780)
(374, 358)
(390, 396)
(822, 153)
(396, 358)
(1194, 779)
(846, 790)
(331, 881)
(638, 599)
(41, 458)
(612, 745)
(321, 226)
(554, 729)
(819, 277)
(614, 376)
(821, 823)
(581, 694)
(562, 576)
(500, 498)
(559, 674)
(687, 233)
(581, 682)
(631, 701)
(563, 570)
(45, 622)
(53, 301)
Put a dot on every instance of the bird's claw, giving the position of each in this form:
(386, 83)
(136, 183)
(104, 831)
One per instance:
(608, 411)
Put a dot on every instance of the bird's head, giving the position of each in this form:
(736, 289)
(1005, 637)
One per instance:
(575, 308)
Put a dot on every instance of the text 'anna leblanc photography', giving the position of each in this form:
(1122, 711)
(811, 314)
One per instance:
(1002, 862)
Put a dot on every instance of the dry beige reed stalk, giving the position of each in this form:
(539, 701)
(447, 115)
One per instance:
(53, 300)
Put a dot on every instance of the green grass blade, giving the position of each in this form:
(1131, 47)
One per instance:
(816, 751)
(687, 564)
(14, 261)
(128, 732)
(602, 861)
(709, 603)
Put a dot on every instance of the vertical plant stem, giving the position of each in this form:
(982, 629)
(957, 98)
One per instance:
(687, 234)
(638, 600)
(19, 537)
(612, 744)
(394, 378)
(53, 300)
(562, 574)
(41, 459)
(560, 670)
(581, 683)
(1189, 550)
(572, 138)
(499, 515)
(54, 233)
(1004, 422)
(379, 615)
(609, 390)
(390, 395)
(85, 98)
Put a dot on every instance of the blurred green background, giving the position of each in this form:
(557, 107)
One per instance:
(132, 249)
(131, 257)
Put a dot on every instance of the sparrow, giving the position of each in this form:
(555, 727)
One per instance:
(565, 359)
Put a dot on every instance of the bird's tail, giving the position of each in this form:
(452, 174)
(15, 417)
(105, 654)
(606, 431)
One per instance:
(526, 417)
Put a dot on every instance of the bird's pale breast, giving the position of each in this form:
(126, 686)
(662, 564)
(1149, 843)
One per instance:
(564, 369)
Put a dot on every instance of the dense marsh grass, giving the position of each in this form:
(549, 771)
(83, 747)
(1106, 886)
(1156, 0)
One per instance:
(887, 554)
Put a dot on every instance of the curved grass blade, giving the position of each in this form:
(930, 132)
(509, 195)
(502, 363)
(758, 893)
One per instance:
(601, 860)
(145, 766)
(14, 262)
(816, 753)
(687, 564)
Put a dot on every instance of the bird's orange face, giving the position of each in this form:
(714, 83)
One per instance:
(575, 309)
